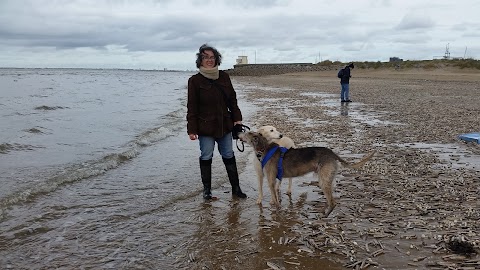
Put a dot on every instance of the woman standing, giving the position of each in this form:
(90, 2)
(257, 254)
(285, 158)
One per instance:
(212, 111)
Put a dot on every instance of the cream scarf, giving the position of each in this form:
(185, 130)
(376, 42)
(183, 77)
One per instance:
(210, 73)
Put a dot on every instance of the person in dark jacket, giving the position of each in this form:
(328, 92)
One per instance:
(212, 111)
(345, 83)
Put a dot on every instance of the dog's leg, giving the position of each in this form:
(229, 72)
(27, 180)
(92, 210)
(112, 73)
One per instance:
(259, 170)
(277, 190)
(326, 176)
(289, 190)
(271, 184)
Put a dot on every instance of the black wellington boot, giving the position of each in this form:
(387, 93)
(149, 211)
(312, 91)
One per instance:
(231, 166)
(206, 174)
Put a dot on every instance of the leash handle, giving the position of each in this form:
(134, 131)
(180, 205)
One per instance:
(236, 130)
(244, 127)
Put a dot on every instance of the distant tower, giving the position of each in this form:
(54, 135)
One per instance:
(242, 60)
(447, 52)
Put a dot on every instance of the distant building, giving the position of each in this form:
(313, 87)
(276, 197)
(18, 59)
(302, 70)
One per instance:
(395, 59)
(242, 60)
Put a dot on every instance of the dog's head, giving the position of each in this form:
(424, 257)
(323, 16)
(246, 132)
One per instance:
(254, 139)
(270, 133)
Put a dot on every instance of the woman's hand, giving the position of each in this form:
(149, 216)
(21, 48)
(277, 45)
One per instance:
(193, 137)
(238, 122)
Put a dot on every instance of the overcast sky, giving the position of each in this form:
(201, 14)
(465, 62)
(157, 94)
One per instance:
(160, 34)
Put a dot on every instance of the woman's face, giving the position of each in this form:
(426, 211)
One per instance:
(208, 59)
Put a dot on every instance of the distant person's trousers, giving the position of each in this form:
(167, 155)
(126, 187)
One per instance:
(344, 95)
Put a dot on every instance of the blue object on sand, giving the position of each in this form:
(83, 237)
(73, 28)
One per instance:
(470, 137)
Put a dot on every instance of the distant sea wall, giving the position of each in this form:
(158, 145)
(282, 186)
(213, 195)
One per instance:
(275, 69)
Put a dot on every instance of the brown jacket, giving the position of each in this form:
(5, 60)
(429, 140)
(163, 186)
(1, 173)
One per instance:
(207, 111)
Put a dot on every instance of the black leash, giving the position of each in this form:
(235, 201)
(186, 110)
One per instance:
(243, 146)
(237, 129)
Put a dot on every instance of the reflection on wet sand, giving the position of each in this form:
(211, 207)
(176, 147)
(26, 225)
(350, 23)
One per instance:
(281, 245)
(222, 238)
(344, 109)
(242, 235)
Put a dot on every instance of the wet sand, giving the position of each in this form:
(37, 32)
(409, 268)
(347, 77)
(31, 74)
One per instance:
(405, 209)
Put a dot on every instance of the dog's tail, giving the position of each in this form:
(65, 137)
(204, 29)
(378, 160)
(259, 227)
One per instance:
(358, 164)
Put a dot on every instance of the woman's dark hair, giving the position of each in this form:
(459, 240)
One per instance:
(206, 47)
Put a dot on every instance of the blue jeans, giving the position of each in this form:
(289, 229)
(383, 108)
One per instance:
(344, 93)
(207, 145)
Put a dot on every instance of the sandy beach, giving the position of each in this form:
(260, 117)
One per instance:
(133, 199)
(414, 206)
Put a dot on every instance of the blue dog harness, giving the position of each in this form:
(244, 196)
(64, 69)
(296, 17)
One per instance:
(269, 155)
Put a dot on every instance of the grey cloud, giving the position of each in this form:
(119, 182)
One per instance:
(355, 47)
(411, 39)
(412, 21)
(246, 4)
(471, 34)
(137, 34)
(278, 30)
(174, 32)
(460, 27)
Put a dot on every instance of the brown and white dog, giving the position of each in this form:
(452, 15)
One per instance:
(300, 161)
(273, 136)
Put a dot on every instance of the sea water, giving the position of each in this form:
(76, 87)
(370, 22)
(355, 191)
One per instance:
(62, 126)
(94, 165)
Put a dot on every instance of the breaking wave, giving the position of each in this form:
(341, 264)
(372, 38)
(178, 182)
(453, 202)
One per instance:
(171, 125)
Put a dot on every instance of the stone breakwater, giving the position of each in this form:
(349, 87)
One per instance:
(276, 69)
